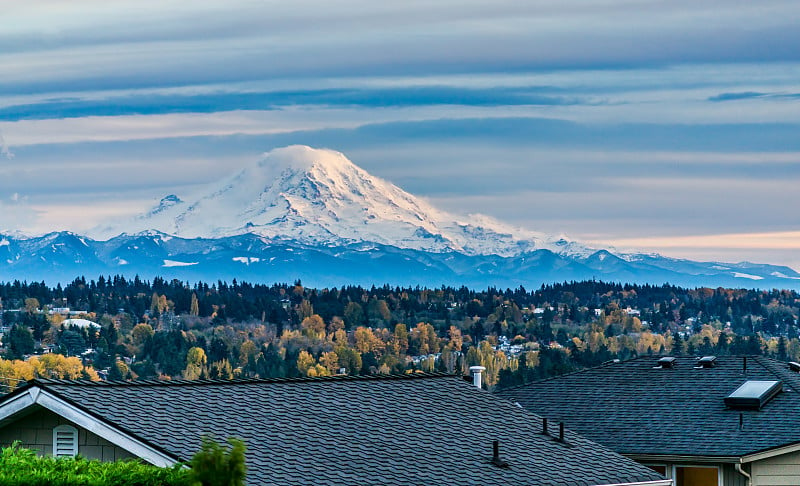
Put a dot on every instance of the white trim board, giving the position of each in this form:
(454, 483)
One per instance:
(777, 451)
(660, 482)
(38, 396)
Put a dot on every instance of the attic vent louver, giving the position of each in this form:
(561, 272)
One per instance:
(65, 441)
(666, 362)
(753, 394)
(706, 362)
(794, 366)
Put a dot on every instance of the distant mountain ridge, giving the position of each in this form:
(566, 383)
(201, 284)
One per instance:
(312, 214)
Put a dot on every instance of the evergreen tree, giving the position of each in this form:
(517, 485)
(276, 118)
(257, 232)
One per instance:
(20, 342)
(677, 344)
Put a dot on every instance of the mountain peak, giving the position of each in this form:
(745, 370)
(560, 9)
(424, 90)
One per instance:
(303, 158)
(319, 197)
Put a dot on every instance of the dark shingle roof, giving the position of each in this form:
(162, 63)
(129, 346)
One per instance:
(392, 430)
(634, 408)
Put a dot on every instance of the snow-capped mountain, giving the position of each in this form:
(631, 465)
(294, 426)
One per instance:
(318, 197)
(312, 214)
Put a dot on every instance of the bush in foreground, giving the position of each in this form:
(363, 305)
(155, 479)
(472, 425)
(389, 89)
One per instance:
(22, 467)
(217, 465)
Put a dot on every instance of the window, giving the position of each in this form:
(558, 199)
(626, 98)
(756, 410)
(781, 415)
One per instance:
(65, 441)
(659, 468)
(696, 476)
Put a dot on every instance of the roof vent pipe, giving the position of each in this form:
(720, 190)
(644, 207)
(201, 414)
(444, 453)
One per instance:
(477, 374)
(496, 455)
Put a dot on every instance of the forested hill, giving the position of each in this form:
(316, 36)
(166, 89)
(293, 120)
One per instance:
(572, 301)
(173, 329)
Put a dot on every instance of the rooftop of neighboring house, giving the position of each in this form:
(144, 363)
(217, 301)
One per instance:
(665, 406)
(430, 429)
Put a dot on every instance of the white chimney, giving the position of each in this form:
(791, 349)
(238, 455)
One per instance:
(477, 374)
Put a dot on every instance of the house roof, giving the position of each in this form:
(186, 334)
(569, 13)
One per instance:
(637, 409)
(433, 429)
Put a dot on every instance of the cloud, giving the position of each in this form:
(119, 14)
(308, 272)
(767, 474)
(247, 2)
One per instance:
(144, 104)
(85, 46)
(745, 95)
(605, 118)
(5, 151)
(16, 213)
(778, 247)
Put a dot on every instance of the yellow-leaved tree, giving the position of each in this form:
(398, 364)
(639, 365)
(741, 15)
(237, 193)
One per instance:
(196, 362)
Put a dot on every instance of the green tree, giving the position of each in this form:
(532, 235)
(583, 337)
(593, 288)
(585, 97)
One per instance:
(20, 342)
(216, 465)
(349, 359)
(378, 309)
(353, 315)
(141, 333)
(221, 370)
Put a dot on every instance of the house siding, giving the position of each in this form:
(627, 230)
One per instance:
(782, 470)
(35, 431)
(732, 477)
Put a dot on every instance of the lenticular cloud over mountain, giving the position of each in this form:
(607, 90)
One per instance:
(318, 196)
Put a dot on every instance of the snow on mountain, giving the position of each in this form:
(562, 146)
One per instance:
(310, 213)
(319, 197)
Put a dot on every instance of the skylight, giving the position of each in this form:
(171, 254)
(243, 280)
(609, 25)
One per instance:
(753, 394)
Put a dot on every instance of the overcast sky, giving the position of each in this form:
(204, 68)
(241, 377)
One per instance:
(669, 126)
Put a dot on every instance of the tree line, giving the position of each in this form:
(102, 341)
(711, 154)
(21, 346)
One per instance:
(173, 329)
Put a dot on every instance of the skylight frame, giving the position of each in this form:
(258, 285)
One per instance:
(753, 394)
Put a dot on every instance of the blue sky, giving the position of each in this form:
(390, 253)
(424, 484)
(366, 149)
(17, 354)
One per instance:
(669, 126)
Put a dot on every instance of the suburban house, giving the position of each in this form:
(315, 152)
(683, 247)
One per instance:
(429, 429)
(710, 421)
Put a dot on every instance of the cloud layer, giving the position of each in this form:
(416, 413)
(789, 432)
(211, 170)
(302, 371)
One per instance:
(632, 123)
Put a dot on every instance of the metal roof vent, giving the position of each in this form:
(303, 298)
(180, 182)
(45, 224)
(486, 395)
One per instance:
(496, 460)
(706, 362)
(477, 372)
(794, 366)
(666, 362)
(753, 394)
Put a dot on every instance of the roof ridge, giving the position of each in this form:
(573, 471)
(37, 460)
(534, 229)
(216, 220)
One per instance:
(242, 381)
(781, 372)
(582, 370)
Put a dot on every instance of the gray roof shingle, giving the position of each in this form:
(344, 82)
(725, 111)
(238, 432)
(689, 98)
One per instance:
(392, 430)
(635, 408)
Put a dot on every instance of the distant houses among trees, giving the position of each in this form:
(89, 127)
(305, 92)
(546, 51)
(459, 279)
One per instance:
(116, 328)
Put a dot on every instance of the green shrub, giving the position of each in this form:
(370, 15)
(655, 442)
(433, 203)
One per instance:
(22, 467)
(215, 465)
